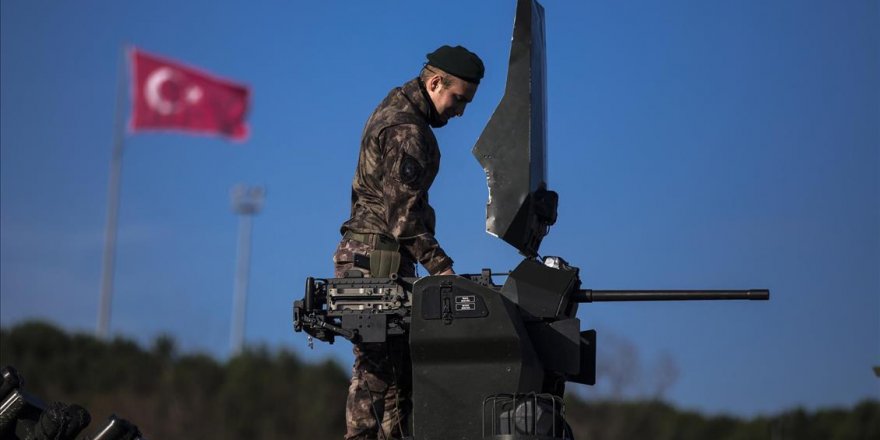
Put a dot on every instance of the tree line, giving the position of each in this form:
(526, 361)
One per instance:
(272, 394)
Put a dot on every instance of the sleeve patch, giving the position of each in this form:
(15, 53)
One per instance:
(410, 170)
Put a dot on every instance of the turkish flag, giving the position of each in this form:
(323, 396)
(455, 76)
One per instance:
(166, 95)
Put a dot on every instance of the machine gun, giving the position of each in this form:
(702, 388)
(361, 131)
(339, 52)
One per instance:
(361, 309)
(490, 361)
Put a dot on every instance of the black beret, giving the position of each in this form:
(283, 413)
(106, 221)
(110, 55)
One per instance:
(458, 61)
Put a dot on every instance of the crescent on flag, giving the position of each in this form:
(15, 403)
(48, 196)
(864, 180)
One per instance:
(153, 91)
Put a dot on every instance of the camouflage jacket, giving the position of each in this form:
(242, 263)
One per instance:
(399, 159)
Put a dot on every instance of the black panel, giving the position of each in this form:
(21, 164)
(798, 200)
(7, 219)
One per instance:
(458, 361)
(513, 147)
(370, 327)
(542, 292)
(587, 375)
(558, 345)
(431, 305)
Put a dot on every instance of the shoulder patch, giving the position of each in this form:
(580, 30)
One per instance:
(410, 170)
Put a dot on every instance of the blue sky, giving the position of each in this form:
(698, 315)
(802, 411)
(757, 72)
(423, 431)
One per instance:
(693, 145)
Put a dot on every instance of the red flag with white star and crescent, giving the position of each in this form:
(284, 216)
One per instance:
(167, 95)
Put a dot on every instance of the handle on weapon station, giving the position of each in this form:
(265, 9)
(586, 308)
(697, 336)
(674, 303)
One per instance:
(590, 295)
(309, 298)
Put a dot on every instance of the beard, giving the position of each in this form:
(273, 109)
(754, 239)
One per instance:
(437, 121)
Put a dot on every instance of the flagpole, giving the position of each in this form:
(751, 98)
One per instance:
(109, 258)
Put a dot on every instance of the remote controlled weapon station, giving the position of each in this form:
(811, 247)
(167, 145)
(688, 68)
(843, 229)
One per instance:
(490, 361)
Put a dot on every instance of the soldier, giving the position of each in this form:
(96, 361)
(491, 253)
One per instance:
(391, 228)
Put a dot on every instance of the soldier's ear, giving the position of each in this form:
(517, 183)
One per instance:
(434, 83)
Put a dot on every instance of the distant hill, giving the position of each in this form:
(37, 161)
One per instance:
(265, 394)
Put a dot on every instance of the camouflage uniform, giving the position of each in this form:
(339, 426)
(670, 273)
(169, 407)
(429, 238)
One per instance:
(399, 159)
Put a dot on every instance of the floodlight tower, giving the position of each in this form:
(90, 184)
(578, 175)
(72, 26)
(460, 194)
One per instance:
(246, 202)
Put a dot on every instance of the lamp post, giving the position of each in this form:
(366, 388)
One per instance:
(246, 202)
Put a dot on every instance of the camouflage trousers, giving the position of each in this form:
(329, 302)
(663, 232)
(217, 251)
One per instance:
(380, 395)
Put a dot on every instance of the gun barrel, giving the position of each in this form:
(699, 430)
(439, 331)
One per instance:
(590, 295)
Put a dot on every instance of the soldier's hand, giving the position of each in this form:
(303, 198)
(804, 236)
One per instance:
(447, 272)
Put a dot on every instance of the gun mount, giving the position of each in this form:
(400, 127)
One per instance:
(490, 361)
(474, 342)
(371, 309)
